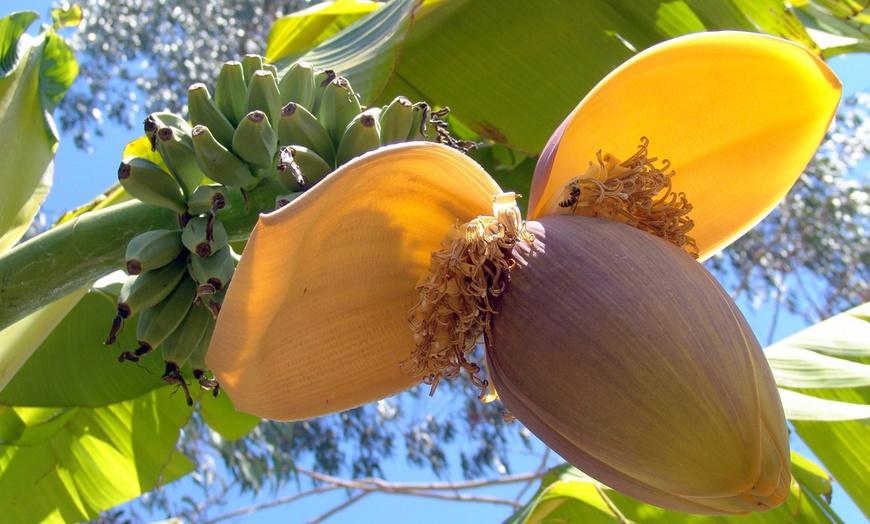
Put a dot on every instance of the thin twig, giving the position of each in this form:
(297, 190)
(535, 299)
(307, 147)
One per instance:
(369, 485)
(389, 487)
(784, 222)
(542, 469)
(340, 507)
(777, 305)
(277, 502)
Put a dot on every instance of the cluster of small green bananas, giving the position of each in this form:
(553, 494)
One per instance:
(298, 128)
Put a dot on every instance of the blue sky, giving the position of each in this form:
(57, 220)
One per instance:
(80, 176)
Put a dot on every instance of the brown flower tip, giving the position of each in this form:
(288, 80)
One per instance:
(456, 304)
(634, 192)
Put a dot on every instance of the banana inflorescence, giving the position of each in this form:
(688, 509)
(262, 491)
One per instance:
(256, 124)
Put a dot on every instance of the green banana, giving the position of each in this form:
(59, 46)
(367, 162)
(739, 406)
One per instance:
(322, 79)
(176, 148)
(250, 64)
(213, 302)
(217, 162)
(145, 290)
(204, 235)
(148, 288)
(151, 184)
(155, 121)
(197, 361)
(396, 120)
(230, 91)
(263, 95)
(212, 273)
(338, 106)
(204, 111)
(297, 85)
(178, 346)
(159, 321)
(255, 141)
(362, 134)
(301, 168)
(209, 198)
(298, 126)
(152, 250)
(271, 69)
(419, 125)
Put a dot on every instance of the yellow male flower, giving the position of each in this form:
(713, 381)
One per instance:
(602, 333)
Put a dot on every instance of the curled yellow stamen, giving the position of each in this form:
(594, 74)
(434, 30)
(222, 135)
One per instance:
(635, 192)
(457, 296)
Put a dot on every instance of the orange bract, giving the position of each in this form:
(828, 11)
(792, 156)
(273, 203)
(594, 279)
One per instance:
(738, 115)
(315, 320)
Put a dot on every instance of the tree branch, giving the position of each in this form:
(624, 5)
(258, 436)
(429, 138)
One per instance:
(271, 504)
(371, 485)
(340, 507)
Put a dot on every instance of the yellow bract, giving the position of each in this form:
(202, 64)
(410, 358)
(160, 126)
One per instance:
(315, 320)
(738, 115)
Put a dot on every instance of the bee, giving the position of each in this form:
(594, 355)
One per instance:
(573, 195)
(286, 162)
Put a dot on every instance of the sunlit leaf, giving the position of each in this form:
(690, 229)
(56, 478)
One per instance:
(72, 367)
(829, 391)
(838, 26)
(220, 415)
(566, 495)
(801, 368)
(21, 339)
(92, 459)
(66, 17)
(806, 407)
(296, 32)
(512, 70)
(35, 72)
(365, 52)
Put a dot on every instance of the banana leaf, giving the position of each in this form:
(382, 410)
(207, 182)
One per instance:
(69, 464)
(35, 72)
(567, 495)
(828, 363)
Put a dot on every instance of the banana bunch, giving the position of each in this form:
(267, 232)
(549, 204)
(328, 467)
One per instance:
(297, 128)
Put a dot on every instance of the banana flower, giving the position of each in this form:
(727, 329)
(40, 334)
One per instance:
(602, 332)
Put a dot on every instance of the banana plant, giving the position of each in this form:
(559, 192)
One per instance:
(401, 49)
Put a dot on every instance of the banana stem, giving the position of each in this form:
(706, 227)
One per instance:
(76, 253)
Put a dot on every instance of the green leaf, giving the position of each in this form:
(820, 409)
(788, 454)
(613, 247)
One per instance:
(774, 18)
(567, 495)
(807, 407)
(92, 461)
(844, 335)
(837, 390)
(21, 339)
(12, 28)
(293, 34)
(838, 26)
(801, 368)
(365, 52)
(512, 70)
(221, 416)
(844, 449)
(35, 72)
(68, 17)
(72, 367)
